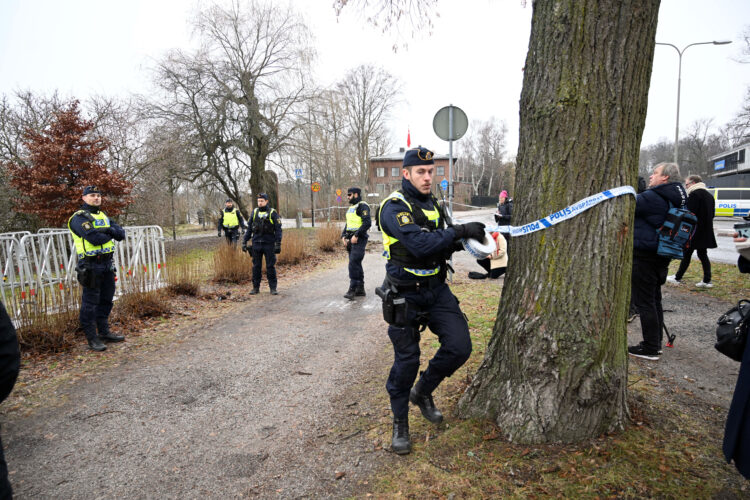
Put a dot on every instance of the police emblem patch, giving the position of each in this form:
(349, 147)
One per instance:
(364, 213)
(404, 218)
(86, 225)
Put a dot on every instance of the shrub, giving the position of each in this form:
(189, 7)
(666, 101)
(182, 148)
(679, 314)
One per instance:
(328, 237)
(231, 264)
(44, 328)
(138, 301)
(184, 276)
(292, 247)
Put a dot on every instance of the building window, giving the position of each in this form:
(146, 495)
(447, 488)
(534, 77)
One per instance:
(380, 172)
(441, 171)
(394, 172)
(380, 188)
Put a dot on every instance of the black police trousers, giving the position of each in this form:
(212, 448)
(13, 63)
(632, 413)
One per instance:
(96, 302)
(449, 324)
(259, 250)
(232, 235)
(649, 274)
(356, 255)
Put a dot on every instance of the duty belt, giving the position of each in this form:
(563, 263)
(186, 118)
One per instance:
(99, 258)
(416, 285)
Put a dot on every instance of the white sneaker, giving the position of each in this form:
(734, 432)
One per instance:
(673, 280)
(704, 285)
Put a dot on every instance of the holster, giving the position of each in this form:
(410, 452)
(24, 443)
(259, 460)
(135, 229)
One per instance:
(86, 276)
(395, 307)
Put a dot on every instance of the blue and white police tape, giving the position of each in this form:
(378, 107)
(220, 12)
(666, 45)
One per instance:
(564, 214)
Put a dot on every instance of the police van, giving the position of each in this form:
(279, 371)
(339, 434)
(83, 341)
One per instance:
(731, 201)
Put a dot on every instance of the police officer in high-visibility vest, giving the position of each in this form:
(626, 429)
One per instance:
(355, 237)
(94, 236)
(231, 220)
(417, 244)
(263, 239)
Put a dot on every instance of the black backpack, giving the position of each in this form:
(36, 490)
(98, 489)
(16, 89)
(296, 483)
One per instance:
(677, 232)
(732, 330)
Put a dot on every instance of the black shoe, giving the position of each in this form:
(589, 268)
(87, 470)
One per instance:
(642, 352)
(274, 292)
(473, 275)
(400, 444)
(254, 291)
(351, 293)
(425, 403)
(360, 291)
(96, 345)
(108, 336)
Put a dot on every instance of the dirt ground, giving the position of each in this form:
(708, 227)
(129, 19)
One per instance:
(262, 399)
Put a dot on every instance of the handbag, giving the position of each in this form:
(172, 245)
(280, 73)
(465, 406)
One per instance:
(732, 330)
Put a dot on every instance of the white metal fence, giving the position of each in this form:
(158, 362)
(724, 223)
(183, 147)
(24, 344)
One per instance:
(38, 270)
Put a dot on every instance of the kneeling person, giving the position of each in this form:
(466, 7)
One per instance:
(417, 244)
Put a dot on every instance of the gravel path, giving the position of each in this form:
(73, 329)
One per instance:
(248, 404)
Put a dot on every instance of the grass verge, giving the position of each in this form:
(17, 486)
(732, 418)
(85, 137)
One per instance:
(672, 449)
(728, 283)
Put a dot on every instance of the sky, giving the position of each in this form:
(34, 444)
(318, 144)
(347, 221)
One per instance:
(472, 59)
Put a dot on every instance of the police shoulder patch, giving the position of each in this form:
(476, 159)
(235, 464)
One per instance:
(404, 218)
(364, 213)
(86, 225)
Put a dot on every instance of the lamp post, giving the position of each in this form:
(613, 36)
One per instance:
(679, 83)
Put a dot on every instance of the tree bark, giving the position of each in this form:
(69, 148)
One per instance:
(556, 367)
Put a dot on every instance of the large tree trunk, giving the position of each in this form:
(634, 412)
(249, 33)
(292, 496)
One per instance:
(556, 367)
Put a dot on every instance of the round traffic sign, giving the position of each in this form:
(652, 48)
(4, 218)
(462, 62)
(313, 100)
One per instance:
(315, 187)
(338, 192)
(441, 123)
(444, 184)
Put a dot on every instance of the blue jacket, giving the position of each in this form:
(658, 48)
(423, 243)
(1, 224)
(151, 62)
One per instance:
(417, 242)
(651, 207)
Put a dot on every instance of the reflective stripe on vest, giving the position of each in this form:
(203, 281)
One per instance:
(230, 219)
(354, 221)
(83, 247)
(388, 240)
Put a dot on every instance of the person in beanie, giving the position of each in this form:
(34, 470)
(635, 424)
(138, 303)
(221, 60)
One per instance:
(94, 236)
(417, 244)
(264, 237)
(355, 237)
(702, 204)
(504, 209)
(231, 221)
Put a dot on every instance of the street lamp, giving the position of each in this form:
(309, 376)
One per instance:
(679, 82)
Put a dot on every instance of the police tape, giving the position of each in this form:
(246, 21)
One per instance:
(566, 213)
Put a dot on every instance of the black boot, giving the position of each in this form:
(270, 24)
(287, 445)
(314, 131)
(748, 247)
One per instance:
(95, 344)
(254, 291)
(351, 293)
(400, 444)
(273, 291)
(108, 336)
(425, 403)
(360, 291)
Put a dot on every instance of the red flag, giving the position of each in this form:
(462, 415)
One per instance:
(408, 138)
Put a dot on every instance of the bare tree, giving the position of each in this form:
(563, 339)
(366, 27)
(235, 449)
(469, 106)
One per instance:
(737, 131)
(484, 151)
(369, 94)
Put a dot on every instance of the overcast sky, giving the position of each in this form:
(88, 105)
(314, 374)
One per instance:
(473, 59)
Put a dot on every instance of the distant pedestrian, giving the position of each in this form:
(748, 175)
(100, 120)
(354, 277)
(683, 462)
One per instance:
(94, 236)
(702, 204)
(649, 268)
(504, 209)
(355, 237)
(263, 239)
(231, 221)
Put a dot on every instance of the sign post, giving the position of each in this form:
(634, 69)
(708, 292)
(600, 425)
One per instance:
(314, 188)
(298, 176)
(450, 124)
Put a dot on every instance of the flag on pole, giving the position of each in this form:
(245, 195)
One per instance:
(408, 138)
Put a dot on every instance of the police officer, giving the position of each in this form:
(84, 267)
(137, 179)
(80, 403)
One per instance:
(93, 234)
(355, 237)
(230, 219)
(264, 234)
(417, 244)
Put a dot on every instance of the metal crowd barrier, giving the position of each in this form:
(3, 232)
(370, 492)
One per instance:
(38, 270)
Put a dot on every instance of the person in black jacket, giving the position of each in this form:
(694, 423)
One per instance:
(263, 239)
(354, 236)
(649, 268)
(504, 209)
(702, 204)
(736, 444)
(10, 363)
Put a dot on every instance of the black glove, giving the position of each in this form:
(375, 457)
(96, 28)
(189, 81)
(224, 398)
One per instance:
(277, 247)
(473, 230)
(244, 248)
